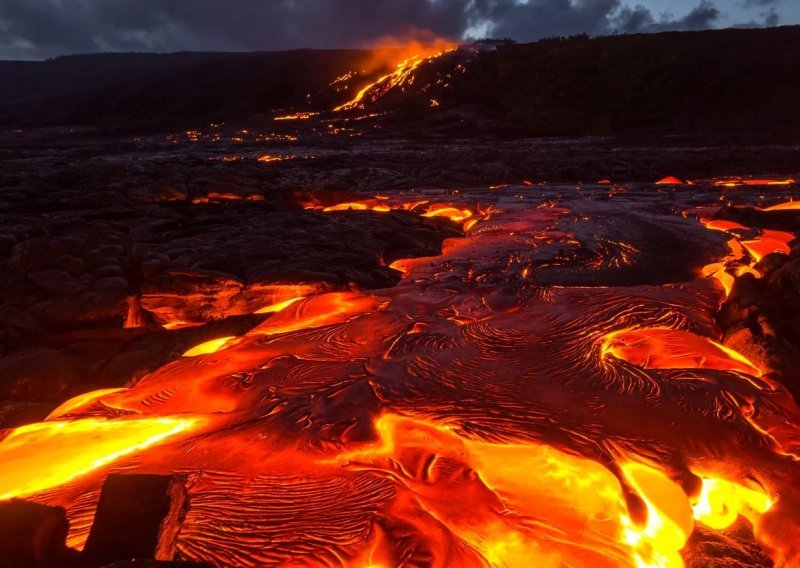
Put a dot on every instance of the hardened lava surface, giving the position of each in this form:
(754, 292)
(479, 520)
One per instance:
(552, 389)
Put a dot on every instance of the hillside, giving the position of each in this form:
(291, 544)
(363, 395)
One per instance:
(720, 82)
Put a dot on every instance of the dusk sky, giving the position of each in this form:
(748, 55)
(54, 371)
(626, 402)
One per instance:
(38, 29)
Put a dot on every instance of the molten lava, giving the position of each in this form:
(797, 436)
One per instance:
(770, 241)
(536, 394)
(739, 182)
(210, 346)
(75, 448)
(410, 57)
(786, 206)
(664, 348)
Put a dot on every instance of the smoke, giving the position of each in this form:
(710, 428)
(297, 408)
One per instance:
(35, 29)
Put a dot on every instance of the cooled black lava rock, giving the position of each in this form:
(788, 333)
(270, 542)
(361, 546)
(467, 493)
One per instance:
(34, 536)
(138, 516)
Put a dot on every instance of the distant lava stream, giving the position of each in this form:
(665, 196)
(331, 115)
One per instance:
(497, 407)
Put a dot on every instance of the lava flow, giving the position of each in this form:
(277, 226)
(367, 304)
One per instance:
(412, 57)
(551, 389)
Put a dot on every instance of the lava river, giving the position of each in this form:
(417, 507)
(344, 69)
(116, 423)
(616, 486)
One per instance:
(551, 390)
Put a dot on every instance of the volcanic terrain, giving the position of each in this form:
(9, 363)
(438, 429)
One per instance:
(426, 306)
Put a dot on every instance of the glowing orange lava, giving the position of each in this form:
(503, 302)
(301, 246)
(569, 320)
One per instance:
(493, 495)
(664, 348)
(325, 309)
(413, 56)
(76, 447)
(210, 346)
(296, 116)
(278, 306)
(739, 182)
(452, 213)
(786, 206)
(770, 241)
(351, 206)
(498, 407)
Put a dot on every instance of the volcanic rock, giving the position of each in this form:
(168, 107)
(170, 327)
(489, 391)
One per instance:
(33, 536)
(138, 516)
(733, 547)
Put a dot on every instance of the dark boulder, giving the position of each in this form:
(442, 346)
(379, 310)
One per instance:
(138, 516)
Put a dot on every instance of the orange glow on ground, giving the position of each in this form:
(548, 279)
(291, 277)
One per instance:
(669, 180)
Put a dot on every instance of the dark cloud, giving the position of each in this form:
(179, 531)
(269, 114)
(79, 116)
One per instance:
(544, 18)
(50, 27)
(633, 20)
(45, 28)
(701, 17)
(640, 19)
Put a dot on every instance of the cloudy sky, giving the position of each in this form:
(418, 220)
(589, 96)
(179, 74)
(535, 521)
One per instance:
(38, 29)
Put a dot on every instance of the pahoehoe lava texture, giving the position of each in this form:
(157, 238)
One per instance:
(358, 419)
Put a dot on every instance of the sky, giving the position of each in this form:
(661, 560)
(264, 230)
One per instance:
(40, 29)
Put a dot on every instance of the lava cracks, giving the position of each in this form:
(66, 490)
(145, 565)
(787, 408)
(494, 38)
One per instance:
(473, 416)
